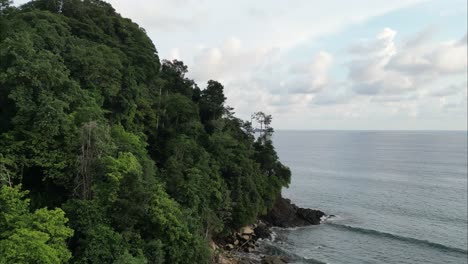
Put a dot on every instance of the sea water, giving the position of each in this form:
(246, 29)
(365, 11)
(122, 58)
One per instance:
(397, 197)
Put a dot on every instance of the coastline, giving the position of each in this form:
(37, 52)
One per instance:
(242, 247)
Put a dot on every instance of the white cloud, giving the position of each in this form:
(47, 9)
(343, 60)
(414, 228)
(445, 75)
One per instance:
(423, 58)
(385, 78)
(449, 90)
(382, 67)
(449, 57)
(368, 70)
(313, 76)
(382, 46)
(231, 62)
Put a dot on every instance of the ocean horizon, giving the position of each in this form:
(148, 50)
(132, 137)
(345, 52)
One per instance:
(396, 196)
(371, 130)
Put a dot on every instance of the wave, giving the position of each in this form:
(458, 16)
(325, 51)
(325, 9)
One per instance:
(397, 237)
(331, 218)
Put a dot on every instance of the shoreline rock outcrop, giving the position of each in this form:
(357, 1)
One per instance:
(283, 214)
(286, 214)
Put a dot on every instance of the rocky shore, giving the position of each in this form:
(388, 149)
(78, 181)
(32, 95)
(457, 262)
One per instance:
(287, 214)
(232, 249)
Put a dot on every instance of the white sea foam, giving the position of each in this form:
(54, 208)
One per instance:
(274, 235)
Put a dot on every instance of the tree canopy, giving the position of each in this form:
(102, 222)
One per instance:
(107, 154)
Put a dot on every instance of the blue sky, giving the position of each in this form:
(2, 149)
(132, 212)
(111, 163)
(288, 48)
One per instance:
(362, 64)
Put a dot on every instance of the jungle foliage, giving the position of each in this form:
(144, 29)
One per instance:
(109, 155)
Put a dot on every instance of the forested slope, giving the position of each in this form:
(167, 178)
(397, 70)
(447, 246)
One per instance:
(107, 154)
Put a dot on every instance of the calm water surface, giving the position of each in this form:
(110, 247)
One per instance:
(398, 197)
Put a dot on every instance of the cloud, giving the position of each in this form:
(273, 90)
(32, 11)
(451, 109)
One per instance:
(231, 61)
(313, 76)
(449, 58)
(381, 81)
(381, 67)
(368, 70)
(383, 45)
(338, 93)
(421, 58)
(452, 89)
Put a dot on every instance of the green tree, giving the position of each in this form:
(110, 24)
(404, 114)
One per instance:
(4, 4)
(174, 74)
(212, 104)
(26, 237)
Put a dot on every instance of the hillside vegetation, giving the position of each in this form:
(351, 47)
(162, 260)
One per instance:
(109, 155)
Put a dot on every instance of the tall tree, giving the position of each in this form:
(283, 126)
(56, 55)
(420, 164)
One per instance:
(212, 101)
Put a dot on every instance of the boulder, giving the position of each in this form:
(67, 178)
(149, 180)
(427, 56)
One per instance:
(247, 230)
(311, 216)
(262, 231)
(229, 246)
(286, 214)
(213, 245)
(245, 237)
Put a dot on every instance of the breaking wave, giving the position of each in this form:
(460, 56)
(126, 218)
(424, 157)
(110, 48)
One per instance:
(397, 237)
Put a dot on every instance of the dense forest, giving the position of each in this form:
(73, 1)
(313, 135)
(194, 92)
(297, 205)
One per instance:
(109, 155)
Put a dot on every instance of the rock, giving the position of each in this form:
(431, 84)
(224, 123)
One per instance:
(274, 260)
(247, 230)
(286, 214)
(312, 216)
(225, 260)
(229, 246)
(262, 231)
(245, 237)
(213, 245)
(236, 242)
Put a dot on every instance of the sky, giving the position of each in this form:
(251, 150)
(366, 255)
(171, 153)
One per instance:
(319, 65)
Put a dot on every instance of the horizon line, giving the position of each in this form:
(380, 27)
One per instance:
(376, 130)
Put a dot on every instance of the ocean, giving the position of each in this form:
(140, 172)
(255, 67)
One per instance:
(397, 196)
